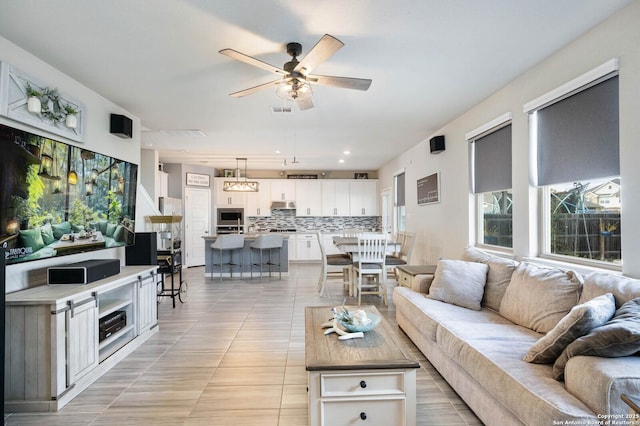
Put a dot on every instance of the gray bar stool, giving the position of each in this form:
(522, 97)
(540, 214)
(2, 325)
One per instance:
(227, 242)
(268, 242)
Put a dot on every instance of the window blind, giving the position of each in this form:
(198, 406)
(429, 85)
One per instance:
(492, 161)
(578, 137)
(400, 190)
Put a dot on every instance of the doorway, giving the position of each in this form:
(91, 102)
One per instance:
(197, 223)
(387, 208)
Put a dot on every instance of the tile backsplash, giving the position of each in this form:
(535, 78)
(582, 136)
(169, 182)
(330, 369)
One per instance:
(287, 219)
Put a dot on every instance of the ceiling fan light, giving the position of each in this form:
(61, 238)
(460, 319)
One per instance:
(294, 90)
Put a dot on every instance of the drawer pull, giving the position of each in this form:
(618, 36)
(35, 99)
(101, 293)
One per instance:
(363, 384)
(363, 416)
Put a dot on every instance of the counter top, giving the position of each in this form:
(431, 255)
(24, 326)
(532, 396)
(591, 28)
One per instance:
(252, 235)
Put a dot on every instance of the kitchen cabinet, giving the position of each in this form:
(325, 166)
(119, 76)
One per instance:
(363, 197)
(259, 203)
(55, 347)
(335, 198)
(227, 199)
(307, 247)
(308, 197)
(283, 189)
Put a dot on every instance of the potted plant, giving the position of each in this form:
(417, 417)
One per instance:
(34, 105)
(71, 119)
(606, 229)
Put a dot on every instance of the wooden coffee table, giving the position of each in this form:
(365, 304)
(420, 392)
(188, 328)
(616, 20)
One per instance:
(371, 378)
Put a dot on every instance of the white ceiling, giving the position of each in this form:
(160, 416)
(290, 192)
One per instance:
(430, 60)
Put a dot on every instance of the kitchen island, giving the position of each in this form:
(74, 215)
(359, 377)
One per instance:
(213, 256)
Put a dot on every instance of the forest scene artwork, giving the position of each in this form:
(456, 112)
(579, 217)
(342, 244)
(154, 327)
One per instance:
(60, 199)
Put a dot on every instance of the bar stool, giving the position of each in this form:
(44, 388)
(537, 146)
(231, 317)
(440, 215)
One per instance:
(227, 242)
(268, 242)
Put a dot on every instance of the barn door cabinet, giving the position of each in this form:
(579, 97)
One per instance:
(54, 346)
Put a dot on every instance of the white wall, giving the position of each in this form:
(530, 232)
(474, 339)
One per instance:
(444, 229)
(96, 138)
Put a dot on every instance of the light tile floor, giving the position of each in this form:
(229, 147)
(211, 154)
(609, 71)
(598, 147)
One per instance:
(233, 354)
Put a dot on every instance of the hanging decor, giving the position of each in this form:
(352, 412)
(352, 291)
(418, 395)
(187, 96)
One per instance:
(31, 102)
(240, 185)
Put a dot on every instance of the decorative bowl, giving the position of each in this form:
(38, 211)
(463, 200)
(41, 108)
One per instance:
(375, 320)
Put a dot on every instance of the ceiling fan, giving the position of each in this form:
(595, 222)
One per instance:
(295, 84)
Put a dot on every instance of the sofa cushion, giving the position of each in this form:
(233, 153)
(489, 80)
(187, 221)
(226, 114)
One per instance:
(459, 283)
(579, 321)
(47, 234)
(498, 277)
(31, 238)
(622, 288)
(538, 297)
(111, 228)
(620, 336)
(59, 229)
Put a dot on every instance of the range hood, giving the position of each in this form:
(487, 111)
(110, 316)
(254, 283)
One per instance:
(283, 205)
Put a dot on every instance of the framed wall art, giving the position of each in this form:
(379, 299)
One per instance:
(429, 189)
(197, 179)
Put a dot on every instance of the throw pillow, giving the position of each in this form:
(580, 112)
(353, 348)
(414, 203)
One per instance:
(578, 322)
(31, 238)
(498, 278)
(620, 336)
(538, 297)
(59, 229)
(111, 227)
(622, 288)
(118, 233)
(47, 233)
(459, 283)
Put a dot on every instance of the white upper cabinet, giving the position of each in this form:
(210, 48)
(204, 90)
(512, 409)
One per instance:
(283, 189)
(364, 197)
(335, 198)
(308, 197)
(259, 203)
(227, 199)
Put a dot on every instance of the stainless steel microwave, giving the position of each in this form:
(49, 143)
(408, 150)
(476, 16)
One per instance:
(230, 217)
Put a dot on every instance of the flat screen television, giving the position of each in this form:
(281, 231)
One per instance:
(58, 199)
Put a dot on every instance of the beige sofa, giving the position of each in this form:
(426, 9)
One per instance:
(479, 332)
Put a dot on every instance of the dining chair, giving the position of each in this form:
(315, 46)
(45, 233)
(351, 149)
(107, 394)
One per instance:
(372, 249)
(351, 232)
(407, 240)
(226, 243)
(333, 266)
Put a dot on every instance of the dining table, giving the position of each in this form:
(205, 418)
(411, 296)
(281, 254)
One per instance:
(349, 245)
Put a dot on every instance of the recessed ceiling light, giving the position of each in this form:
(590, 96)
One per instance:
(341, 161)
(347, 152)
(277, 151)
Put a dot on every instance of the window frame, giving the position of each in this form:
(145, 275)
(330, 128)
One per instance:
(583, 82)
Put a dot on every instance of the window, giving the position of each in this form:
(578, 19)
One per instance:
(491, 174)
(578, 171)
(399, 197)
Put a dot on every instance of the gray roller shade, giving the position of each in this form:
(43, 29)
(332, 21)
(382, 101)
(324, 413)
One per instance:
(492, 161)
(400, 190)
(578, 136)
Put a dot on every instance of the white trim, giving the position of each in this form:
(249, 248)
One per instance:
(611, 66)
(398, 172)
(496, 122)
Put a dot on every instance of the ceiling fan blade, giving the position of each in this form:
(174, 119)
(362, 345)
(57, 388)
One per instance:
(252, 61)
(254, 89)
(327, 46)
(304, 105)
(343, 82)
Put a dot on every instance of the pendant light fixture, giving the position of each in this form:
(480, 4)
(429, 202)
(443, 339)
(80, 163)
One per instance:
(72, 177)
(240, 185)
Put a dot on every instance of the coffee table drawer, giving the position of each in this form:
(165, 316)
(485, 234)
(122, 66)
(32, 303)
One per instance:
(364, 383)
(370, 412)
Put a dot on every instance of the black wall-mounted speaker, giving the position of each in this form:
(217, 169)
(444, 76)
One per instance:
(436, 144)
(144, 251)
(121, 126)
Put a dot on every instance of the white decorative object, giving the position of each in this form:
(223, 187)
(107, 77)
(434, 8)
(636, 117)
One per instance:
(29, 101)
(34, 105)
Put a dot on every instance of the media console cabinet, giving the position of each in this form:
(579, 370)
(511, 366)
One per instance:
(55, 347)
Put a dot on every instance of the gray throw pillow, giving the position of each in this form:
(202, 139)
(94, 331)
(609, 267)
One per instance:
(619, 337)
(459, 283)
(538, 297)
(578, 322)
(498, 277)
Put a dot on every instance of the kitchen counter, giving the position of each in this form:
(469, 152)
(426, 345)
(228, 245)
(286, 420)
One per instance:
(212, 256)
